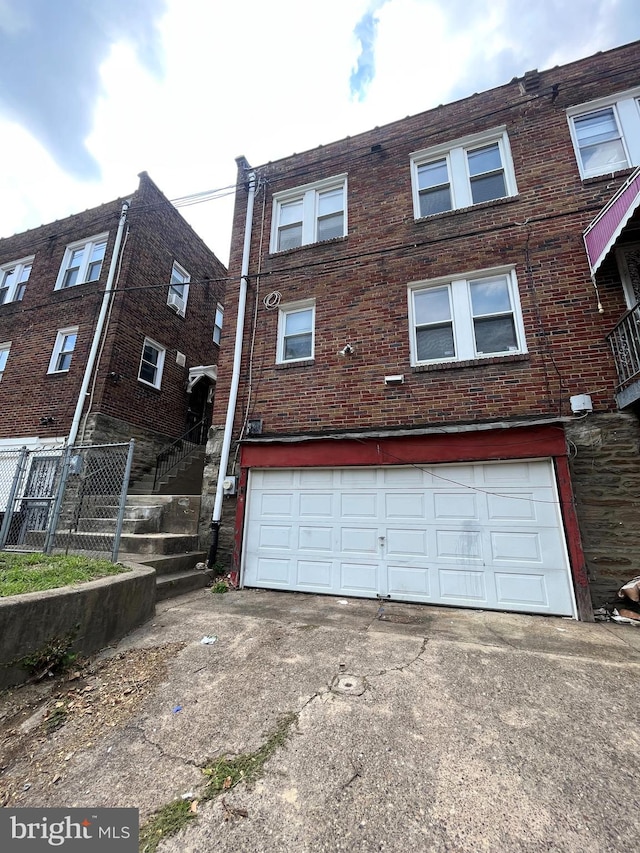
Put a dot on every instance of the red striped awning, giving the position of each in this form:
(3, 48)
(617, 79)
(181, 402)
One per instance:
(605, 229)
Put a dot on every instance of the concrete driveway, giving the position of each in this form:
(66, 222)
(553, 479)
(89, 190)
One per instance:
(406, 728)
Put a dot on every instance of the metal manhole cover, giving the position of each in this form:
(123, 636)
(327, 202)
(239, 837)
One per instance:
(348, 685)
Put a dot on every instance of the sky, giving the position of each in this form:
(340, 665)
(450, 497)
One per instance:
(92, 92)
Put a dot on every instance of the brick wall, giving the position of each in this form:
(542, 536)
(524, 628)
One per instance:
(360, 282)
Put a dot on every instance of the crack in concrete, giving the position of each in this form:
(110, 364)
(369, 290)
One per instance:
(402, 667)
(179, 758)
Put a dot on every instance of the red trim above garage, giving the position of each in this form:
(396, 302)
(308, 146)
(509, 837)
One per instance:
(479, 445)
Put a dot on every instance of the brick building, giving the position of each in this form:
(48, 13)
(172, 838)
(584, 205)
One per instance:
(155, 338)
(428, 406)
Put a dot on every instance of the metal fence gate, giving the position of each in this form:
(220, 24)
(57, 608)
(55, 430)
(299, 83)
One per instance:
(69, 499)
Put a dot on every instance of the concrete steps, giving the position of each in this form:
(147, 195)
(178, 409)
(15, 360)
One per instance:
(175, 573)
(184, 479)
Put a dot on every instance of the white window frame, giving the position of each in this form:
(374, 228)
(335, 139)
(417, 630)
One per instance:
(15, 291)
(217, 324)
(5, 349)
(179, 289)
(87, 246)
(60, 348)
(284, 312)
(159, 366)
(309, 196)
(462, 319)
(460, 181)
(626, 111)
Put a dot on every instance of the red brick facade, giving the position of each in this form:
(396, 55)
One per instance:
(155, 237)
(359, 284)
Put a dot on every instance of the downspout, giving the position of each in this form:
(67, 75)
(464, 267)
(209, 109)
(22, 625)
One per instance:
(95, 344)
(235, 377)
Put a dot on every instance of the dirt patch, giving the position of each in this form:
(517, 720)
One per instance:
(43, 725)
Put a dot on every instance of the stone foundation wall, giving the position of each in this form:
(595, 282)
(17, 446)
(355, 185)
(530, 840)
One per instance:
(209, 484)
(604, 457)
(104, 429)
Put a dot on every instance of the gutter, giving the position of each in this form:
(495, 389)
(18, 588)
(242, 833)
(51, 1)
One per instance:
(95, 344)
(235, 377)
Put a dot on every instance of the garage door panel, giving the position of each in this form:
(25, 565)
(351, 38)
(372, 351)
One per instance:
(459, 544)
(455, 505)
(403, 580)
(412, 542)
(359, 540)
(313, 538)
(360, 577)
(314, 573)
(316, 505)
(480, 535)
(458, 585)
(276, 537)
(406, 506)
(359, 505)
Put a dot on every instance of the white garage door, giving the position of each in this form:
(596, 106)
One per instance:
(484, 535)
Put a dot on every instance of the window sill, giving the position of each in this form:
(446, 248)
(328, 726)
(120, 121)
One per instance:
(483, 205)
(286, 252)
(609, 176)
(149, 385)
(287, 365)
(472, 362)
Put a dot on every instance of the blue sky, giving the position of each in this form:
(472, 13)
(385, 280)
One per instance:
(94, 91)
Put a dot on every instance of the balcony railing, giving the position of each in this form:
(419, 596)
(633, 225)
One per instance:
(625, 345)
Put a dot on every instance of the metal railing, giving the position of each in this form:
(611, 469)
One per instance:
(172, 455)
(624, 341)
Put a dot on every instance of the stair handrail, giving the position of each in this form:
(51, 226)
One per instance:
(174, 453)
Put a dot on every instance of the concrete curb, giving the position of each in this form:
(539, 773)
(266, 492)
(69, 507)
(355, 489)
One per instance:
(93, 615)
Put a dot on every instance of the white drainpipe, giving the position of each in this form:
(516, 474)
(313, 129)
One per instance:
(235, 377)
(73, 432)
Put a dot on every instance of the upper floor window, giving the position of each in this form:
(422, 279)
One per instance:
(178, 290)
(82, 262)
(296, 328)
(63, 350)
(13, 280)
(462, 173)
(309, 214)
(217, 325)
(466, 318)
(606, 134)
(151, 363)
(4, 357)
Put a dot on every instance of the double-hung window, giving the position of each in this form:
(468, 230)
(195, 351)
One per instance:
(82, 262)
(309, 214)
(296, 329)
(178, 290)
(151, 363)
(63, 350)
(217, 324)
(465, 318)
(13, 280)
(4, 357)
(606, 134)
(462, 173)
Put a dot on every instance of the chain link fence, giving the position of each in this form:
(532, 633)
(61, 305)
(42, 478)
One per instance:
(65, 499)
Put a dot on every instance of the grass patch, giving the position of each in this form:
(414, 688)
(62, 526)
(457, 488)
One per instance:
(36, 572)
(224, 773)
(219, 588)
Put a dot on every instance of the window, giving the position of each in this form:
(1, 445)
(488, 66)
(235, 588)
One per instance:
(4, 357)
(296, 332)
(82, 262)
(217, 325)
(462, 173)
(13, 280)
(466, 318)
(151, 363)
(309, 214)
(63, 350)
(178, 290)
(606, 134)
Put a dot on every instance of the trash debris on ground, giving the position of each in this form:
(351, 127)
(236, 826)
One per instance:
(626, 607)
(201, 567)
(208, 641)
(223, 583)
(176, 709)
(188, 796)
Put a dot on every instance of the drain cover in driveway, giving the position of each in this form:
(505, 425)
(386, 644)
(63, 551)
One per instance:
(348, 685)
